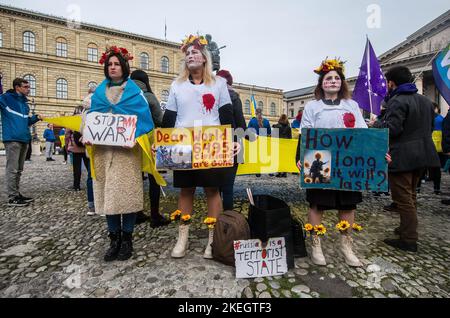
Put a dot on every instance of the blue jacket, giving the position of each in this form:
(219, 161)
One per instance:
(15, 119)
(49, 135)
(254, 124)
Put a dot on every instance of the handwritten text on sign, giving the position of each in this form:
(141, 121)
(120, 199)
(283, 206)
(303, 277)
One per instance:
(194, 148)
(252, 260)
(344, 159)
(110, 129)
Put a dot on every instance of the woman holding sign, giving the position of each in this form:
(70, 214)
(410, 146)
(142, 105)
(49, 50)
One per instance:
(332, 108)
(197, 98)
(118, 185)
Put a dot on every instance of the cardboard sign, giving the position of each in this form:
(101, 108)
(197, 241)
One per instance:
(110, 129)
(194, 148)
(253, 260)
(344, 159)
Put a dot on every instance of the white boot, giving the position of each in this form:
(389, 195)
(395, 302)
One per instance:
(346, 249)
(316, 251)
(208, 250)
(179, 251)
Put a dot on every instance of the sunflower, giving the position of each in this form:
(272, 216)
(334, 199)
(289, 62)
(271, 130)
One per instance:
(175, 215)
(186, 218)
(320, 229)
(211, 222)
(327, 170)
(357, 227)
(308, 180)
(343, 226)
(309, 227)
(307, 165)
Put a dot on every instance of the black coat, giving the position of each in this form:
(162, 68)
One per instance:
(446, 134)
(410, 119)
(285, 131)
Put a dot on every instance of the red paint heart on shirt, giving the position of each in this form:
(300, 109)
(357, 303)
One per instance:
(209, 101)
(349, 120)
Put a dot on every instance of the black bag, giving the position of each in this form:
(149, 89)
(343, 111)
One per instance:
(271, 217)
(230, 226)
(299, 236)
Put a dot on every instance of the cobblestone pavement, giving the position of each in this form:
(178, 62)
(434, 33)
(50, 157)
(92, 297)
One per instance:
(53, 249)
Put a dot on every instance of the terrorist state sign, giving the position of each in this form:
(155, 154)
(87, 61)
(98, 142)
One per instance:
(254, 260)
(110, 129)
(344, 159)
(194, 148)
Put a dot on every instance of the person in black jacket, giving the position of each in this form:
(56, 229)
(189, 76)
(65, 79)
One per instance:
(238, 122)
(410, 119)
(285, 132)
(446, 144)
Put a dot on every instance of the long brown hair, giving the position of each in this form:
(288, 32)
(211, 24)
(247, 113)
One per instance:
(343, 92)
(283, 120)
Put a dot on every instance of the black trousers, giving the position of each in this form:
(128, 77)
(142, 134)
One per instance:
(154, 193)
(77, 159)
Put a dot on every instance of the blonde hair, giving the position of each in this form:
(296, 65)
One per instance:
(208, 76)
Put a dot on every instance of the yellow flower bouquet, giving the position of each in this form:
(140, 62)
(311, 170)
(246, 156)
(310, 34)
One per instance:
(210, 222)
(175, 216)
(320, 230)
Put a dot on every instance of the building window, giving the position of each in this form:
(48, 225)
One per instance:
(61, 88)
(1, 39)
(261, 105)
(273, 109)
(291, 111)
(92, 53)
(303, 102)
(165, 64)
(61, 47)
(29, 42)
(164, 99)
(32, 81)
(145, 61)
(247, 107)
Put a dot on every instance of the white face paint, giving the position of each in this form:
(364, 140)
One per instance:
(332, 83)
(194, 58)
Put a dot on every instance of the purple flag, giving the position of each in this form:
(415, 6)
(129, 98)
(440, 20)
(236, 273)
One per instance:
(371, 87)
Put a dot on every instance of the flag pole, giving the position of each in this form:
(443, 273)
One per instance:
(369, 75)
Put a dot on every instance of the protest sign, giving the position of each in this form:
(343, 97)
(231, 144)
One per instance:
(194, 148)
(110, 129)
(253, 260)
(344, 159)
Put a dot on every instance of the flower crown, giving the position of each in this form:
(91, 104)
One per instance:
(116, 50)
(330, 65)
(198, 41)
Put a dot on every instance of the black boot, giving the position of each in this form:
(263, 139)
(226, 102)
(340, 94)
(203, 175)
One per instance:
(126, 248)
(299, 240)
(157, 220)
(113, 251)
(141, 217)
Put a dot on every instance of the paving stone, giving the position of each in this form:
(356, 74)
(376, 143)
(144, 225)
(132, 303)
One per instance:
(300, 289)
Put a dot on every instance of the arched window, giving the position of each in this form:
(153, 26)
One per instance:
(164, 99)
(145, 61)
(1, 39)
(32, 81)
(273, 109)
(165, 64)
(29, 41)
(247, 109)
(92, 53)
(261, 105)
(61, 88)
(61, 47)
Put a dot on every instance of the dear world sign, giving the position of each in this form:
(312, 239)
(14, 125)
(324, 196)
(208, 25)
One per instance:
(344, 159)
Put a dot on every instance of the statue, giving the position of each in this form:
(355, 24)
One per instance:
(215, 52)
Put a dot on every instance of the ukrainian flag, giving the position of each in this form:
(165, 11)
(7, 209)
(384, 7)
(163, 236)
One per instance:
(253, 105)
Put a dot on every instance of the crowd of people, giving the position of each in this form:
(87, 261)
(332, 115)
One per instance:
(115, 179)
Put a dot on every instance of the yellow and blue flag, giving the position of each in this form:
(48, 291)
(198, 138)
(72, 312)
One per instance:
(253, 105)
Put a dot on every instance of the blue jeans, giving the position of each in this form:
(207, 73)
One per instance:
(127, 225)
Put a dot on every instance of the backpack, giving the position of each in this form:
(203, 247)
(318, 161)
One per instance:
(230, 226)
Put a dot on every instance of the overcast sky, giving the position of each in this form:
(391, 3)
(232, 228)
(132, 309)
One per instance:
(271, 43)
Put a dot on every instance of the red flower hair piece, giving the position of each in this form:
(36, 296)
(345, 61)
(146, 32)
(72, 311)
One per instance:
(116, 50)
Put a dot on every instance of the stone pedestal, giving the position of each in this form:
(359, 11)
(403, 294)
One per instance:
(36, 148)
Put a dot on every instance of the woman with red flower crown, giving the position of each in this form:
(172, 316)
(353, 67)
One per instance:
(196, 98)
(332, 108)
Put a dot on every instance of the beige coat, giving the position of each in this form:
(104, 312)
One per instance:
(118, 188)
